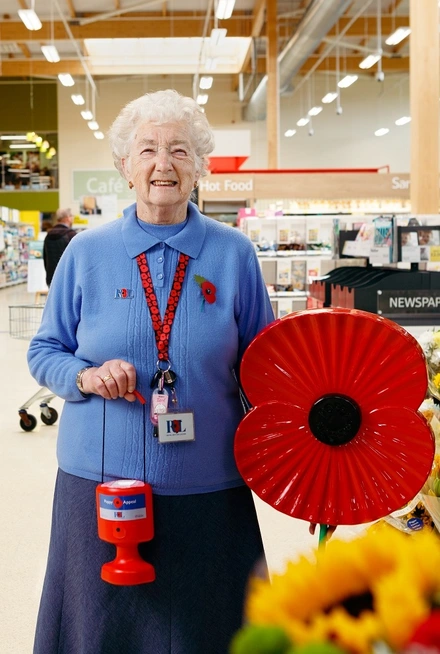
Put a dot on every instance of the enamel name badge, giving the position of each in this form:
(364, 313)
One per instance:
(176, 427)
(123, 294)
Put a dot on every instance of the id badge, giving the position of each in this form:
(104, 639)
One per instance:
(176, 427)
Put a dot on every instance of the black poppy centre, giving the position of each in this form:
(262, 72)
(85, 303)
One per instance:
(335, 419)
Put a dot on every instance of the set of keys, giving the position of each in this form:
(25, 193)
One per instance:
(163, 382)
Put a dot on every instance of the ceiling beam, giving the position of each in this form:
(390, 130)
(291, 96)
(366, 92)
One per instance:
(367, 25)
(351, 64)
(25, 50)
(72, 11)
(154, 26)
(32, 68)
(40, 67)
(258, 15)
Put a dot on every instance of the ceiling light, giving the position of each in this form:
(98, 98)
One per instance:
(329, 97)
(202, 98)
(23, 146)
(211, 63)
(87, 115)
(398, 36)
(369, 61)
(314, 111)
(30, 19)
(217, 35)
(93, 124)
(98, 135)
(382, 131)
(77, 98)
(30, 136)
(52, 152)
(347, 81)
(224, 9)
(66, 79)
(51, 53)
(20, 137)
(206, 82)
(302, 121)
(290, 132)
(403, 120)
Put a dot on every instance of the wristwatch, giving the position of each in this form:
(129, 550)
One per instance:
(79, 376)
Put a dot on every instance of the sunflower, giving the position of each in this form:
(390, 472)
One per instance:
(377, 587)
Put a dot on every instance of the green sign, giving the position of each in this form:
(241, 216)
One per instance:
(100, 182)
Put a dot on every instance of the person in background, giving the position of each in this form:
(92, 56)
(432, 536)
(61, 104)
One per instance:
(56, 241)
(162, 302)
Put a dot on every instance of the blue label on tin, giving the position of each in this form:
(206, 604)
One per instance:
(114, 507)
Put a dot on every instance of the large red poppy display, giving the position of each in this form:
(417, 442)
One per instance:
(334, 435)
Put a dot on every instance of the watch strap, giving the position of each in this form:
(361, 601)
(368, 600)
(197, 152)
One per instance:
(79, 376)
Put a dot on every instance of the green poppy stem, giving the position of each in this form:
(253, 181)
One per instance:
(323, 529)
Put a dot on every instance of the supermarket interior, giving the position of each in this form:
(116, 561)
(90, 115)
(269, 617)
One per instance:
(325, 116)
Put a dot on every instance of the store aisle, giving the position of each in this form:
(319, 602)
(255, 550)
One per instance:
(27, 472)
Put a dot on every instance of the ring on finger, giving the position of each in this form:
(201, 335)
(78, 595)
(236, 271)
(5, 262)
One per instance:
(106, 378)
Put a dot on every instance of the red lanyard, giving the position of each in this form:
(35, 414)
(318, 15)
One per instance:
(162, 330)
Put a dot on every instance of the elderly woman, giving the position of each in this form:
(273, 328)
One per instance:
(158, 305)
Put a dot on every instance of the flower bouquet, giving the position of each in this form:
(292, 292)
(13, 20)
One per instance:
(379, 592)
(430, 343)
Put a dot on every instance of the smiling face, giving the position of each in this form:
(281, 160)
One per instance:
(162, 167)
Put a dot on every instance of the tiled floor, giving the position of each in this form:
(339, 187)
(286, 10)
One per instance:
(27, 474)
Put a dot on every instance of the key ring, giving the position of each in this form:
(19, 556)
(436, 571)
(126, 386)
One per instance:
(166, 362)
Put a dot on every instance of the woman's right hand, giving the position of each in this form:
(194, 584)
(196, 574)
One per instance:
(115, 378)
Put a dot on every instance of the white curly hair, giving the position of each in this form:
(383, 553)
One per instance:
(158, 108)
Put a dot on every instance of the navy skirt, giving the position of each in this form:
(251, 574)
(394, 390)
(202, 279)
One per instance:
(203, 551)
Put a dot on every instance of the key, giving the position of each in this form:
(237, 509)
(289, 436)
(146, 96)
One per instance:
(155, 431)
(173, 396)
(169, 377)
(155, 379)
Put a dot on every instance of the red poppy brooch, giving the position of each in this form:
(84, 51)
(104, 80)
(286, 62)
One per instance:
(335, 436)
(208, 290)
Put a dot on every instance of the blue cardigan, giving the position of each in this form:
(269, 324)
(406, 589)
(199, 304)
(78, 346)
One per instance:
(86, 322)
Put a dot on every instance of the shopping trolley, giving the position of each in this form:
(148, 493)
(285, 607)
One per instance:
(24, 320)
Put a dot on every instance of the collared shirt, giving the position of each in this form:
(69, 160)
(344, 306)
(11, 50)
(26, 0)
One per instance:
(88, 320)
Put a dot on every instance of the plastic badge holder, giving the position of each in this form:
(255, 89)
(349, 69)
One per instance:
(125, 518)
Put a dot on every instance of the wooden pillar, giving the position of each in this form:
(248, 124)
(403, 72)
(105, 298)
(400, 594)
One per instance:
(273, 95)
(424, 103)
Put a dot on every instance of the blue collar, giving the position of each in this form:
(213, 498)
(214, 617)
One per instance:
(189, 240)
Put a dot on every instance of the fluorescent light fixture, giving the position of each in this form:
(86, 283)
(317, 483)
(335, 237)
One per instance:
(87, 115)
(397, 36)
(329, 97)
(206, 82)
(66, 79)
(403, 120)
(224, 9)
(202, 98)
(77, 98)
(51, 53)
(23, 146)
(289, 132)
(98, 135)
(347, 81)
(217, 35)
(302, 121)
(30, 19)
(369, 61)
(19, 137)
(211, 63)
(382, 131)
(314, 111)
(93, 124)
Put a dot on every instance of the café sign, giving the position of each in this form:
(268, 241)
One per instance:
(100, 182)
